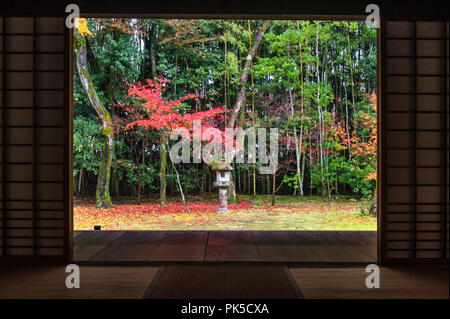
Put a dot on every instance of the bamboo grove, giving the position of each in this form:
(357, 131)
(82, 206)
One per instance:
(313, 80)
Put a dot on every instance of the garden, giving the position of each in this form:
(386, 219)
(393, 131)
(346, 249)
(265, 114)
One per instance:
(152, 96)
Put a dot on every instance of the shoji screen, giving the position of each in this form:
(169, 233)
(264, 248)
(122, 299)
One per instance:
(415, 110)
(34, 138)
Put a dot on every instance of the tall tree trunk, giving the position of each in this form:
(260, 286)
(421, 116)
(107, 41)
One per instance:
(115, 184)
(373, 205)
(143, 163)
(86, 181)
(164, 134)
(351, 73)
(175, 75)
(324, 76)
(151, 34)
(273, 188)
(347, 124)
(209, 184)
(244, 181)
(138, 174)
(80, 180)
(163, 166)
(225, 75)
(241, 95)
(297, 153)
(102, 194)
(319, 109)
(178, 180)
(303, 166)
(249, 182)
(253, 106)
(310, 165)
(138, 184)
(300, 141)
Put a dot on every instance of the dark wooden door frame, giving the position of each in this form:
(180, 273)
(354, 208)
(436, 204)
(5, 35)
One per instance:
(35, 144)
(398, 10)
(383, 148)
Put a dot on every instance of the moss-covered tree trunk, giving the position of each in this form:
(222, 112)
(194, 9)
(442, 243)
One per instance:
(102, 194)
(163, 166)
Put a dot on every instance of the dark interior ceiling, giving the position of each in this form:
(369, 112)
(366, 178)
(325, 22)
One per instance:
(389, 9)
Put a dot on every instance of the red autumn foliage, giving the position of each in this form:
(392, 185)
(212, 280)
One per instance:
(162, 113)
(152, 111)
(203, 216)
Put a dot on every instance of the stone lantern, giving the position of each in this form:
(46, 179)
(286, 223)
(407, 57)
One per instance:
(223, 181)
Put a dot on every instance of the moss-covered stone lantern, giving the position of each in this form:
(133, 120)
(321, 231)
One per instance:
(223, 181)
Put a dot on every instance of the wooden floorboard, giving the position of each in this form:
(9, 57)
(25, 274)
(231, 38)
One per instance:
(366, 241)
(91, 243)
(327, 246)
(77, 233)
(276, 246)
(132, 246)
(270, 246)
(231, 246)
(308, 246)
(48, 282)
(181, 246)
(394, 283)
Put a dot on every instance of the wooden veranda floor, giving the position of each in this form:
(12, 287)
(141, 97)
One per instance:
(225, 246)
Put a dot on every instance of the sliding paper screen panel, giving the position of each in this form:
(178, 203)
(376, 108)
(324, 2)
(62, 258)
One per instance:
(415, 135)
(34, 137)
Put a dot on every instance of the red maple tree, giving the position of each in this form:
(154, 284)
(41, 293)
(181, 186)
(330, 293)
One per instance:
(148, 109)
(165, 114)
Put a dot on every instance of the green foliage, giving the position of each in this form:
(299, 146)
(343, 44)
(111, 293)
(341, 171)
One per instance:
(352, 173)
(292, 181)
(364, 207)
(148, 175)
(257, 202)
(87, 145)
